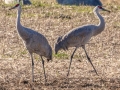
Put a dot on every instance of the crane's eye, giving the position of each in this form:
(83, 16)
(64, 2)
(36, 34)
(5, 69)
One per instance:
(99, 7)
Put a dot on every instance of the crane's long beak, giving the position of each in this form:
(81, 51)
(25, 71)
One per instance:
(12, 8)
(105, 10)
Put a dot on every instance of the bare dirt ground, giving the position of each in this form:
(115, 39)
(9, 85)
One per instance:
(104, 50)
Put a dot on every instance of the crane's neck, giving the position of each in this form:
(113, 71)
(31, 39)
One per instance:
(18, 17)
(21, 30)
(100, 27)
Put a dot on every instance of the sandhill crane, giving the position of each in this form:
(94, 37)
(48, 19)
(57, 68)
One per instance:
(79, 36)
(34, 41)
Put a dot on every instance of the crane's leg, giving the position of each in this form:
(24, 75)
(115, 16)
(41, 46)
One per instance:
(32, 67)
(71, 60)
(89, 59)
(43, 69)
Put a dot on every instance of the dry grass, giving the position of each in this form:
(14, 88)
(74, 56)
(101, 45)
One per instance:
(52, 21)
(110, 2)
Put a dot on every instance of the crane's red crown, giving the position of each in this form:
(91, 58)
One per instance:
(99, 7)
(17, 5)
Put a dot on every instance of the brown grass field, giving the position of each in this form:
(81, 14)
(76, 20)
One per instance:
(53, 20)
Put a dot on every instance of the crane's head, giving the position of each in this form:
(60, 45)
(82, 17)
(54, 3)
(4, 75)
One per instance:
(16, 6)
(97, 8)
(58, 44)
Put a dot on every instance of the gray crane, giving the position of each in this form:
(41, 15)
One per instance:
(34, 41)
(79, 36)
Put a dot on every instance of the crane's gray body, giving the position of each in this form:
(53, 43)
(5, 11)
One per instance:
(34, 41)
(77, 37)
(81, 35)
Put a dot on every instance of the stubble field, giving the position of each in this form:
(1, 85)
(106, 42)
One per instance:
(53, 20)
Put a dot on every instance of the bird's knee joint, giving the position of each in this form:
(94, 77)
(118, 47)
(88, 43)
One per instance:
(42, 61)
(32, 63)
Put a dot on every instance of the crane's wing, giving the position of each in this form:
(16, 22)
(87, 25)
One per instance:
(79, 32)
(78, 36)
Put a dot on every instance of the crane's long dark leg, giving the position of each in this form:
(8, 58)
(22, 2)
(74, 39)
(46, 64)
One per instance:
(32, 67)
(43, 69)
(71, 60)
(89, 59)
